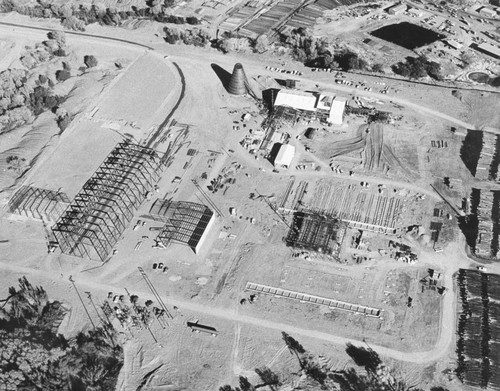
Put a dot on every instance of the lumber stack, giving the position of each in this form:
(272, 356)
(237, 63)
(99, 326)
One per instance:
(478, 342)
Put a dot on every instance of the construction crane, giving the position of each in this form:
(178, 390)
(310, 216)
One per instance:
(273, 209)
(453, 207)
(207, 198)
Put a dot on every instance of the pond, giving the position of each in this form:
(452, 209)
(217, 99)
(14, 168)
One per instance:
(484, 78)
(407, 35)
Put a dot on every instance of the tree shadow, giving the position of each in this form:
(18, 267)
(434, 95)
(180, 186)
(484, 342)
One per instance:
(222, 74)
(470, 152)
(366, 358)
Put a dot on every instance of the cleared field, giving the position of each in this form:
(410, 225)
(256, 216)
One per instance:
(414, 327)
(75, 159)
(377, 154)
(139, 93)
(318, 282)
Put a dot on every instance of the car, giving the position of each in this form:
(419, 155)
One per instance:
(155, 266)
(482, 269)
(160, 265)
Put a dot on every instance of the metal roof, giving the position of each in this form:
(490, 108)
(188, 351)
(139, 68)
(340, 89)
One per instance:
(285, 155)
(325, 102)
(301, 101)
(490, 49)
(337, 112)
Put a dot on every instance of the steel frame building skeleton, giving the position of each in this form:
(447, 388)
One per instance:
(185, 222)
(38, 203)
(313, 232)
(101, 211)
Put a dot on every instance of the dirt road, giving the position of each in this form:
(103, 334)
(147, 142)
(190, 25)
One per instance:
(447, 326)
(230, 314)
(250, 64)
(327, 173)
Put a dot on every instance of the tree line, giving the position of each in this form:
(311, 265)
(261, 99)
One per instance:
(76, 16)
(35, 358)
(27, 93)
(315, 376)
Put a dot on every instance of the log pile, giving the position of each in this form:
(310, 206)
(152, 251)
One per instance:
(478, 342)
(487, 238)
(487, 159)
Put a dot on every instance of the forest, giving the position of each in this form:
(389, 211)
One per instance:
(35, 357)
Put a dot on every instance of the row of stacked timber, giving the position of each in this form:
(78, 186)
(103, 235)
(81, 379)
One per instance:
(478, 329)
(486, 225)
(487, 158)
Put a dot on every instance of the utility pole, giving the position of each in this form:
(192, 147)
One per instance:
(145, 324)
(159, 318)
(81, 300)
(150, 332)
(89, 295)
(155, 292)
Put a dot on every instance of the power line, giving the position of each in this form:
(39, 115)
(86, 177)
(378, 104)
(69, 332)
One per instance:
(106, 325)
(155, 292)
(145, 323)
(81, 300)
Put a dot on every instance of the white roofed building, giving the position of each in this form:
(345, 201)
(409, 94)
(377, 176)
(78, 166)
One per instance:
(296, 100)
(325, 102)
(327, 107)
(397, 9)
(488, 12)
(491, 50)
(453, 44)
(416, 12)
(285, 156)
(336, 116)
